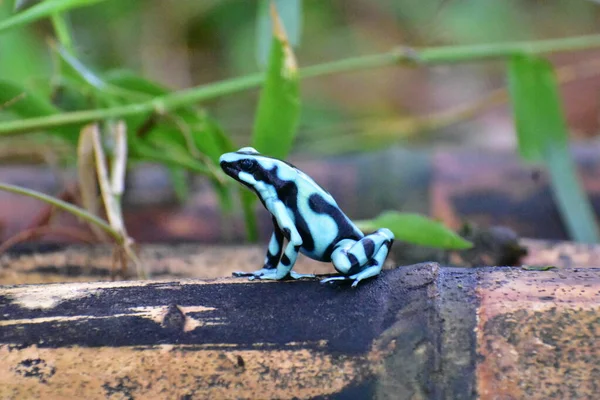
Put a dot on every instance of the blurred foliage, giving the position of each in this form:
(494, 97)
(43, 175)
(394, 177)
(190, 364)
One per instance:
(417, 229)
(542, 136)
(80, 55)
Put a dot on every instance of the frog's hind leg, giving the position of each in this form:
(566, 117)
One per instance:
(374, 266)
(362, 259)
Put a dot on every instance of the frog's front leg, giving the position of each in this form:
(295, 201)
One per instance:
(272, 257)
(362, 259)
(284, 268)
(284, 227)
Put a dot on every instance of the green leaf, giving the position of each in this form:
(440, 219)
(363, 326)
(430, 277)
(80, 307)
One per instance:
(290, 12)
(24, 57)
(171, 156)
(417, 229)
(42, 10)
(536, 106)
(27, 104)
(183, 135)
(62, 28)
(542, 136)
(538, 267)
(179, 181)
(204, 133)
(278, 110)
(81, 75)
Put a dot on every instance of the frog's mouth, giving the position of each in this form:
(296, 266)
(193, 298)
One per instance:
(229, 169)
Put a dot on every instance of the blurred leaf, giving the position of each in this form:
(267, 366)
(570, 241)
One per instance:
(290, 12)
(41, 10)
(185, 138)
(29, 104)
(204, 133)
(26, 104)
(277, 115)
(536, 106)
(179, 181)
(79, 70)
(170, 154)
(129, 80)
(108, 93)
(417, 229)
(542, 134)
(23, 56)
(538, 267)
(62, 28)
(573, 203)
(278, 110)
(248, 200)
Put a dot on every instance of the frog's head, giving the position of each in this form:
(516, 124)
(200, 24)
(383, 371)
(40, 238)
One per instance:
(255, 170)
(240, 163)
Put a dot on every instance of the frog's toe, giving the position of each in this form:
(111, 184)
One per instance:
(239, 274)
(255, 274)
(267, 274)
(334, 278)
(295, 275)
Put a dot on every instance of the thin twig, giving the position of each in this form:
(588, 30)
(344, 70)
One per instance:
(401, 55)
(27, 234)
(79, 212)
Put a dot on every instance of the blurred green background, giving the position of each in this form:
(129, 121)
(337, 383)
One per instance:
(189, 42)
(74, 60)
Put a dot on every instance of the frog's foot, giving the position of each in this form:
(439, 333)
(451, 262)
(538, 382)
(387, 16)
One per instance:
(335, 278)
(270, 274)
(295, 275)
(367, 273)
(255, 274)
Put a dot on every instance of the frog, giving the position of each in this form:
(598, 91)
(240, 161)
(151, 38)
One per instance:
(308, 218)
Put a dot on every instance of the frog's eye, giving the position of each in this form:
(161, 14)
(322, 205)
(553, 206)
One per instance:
(247, 165)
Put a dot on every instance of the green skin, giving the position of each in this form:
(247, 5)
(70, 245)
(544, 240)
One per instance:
(308, 218)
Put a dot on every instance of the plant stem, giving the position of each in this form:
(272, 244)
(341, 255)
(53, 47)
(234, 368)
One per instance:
(402, 55)
(572, 201)
(65, 206)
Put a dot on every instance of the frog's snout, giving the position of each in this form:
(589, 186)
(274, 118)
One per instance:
(228, 165)
(223, 159)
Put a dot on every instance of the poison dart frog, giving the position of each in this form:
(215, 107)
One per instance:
(308, 218)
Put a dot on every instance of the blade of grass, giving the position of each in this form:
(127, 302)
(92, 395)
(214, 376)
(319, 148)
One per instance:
(572, 201)
(542, 133)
